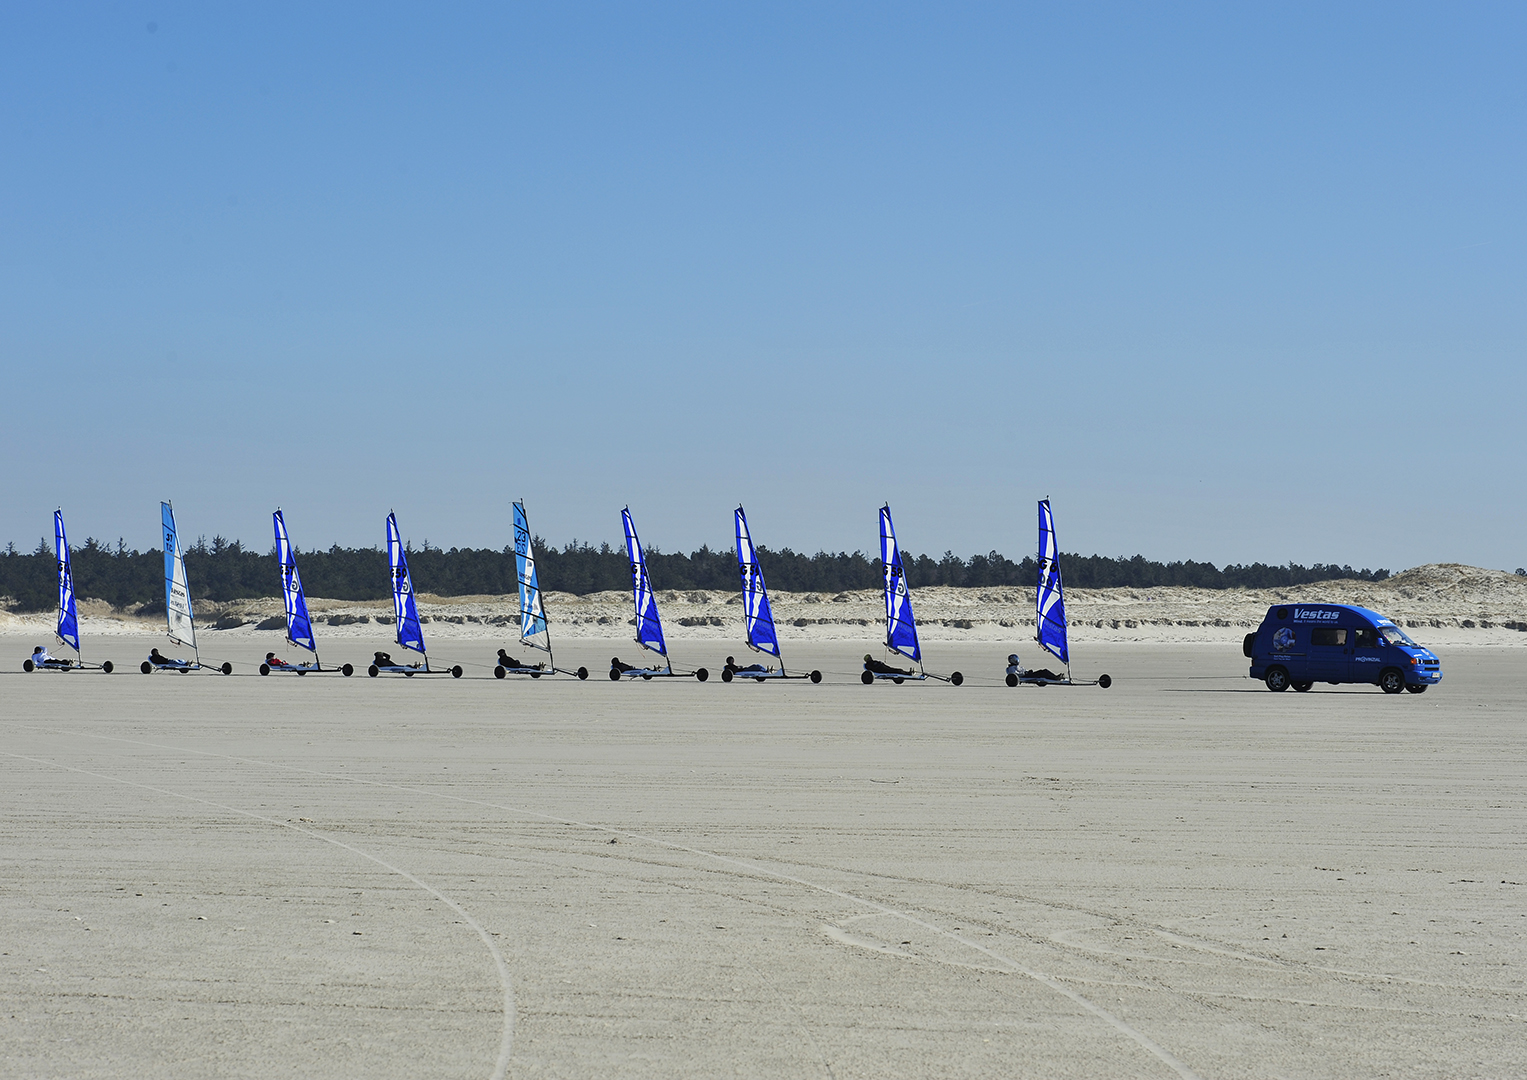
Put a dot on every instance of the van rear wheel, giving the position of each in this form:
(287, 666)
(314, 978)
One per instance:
(1277, 680)
(1392, 681)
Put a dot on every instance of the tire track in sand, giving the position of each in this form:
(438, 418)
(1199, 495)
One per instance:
(506, 1041)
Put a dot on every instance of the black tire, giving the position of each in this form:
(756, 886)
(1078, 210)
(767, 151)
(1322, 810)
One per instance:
(760, 679)
(957, 678)
(898, 680)
(1104, 681)
(726, 673)
(27, 665)
(816, 676)
(499, 672)
(456, 672)
(347, 671)
(108, 667)
(1249, 645)
(264, 669)
(583, 673)
(867, 679)
(535, 674)
(146, 668)
(1392, 680)
(1277, 679)
(185, 671)
(227, 668)
(615, 674)
(373, 671)
(1012, 680)
(1303, 687)
(702, 674)
(646, 678)
(408, 674)
(1416, 688)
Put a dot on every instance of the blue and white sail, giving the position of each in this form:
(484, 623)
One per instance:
(177, 593)
(68, 614)
(532, 612)
(299, 628)
(1049, 598)
(405, 612)
(900, 627)
(755, 597)
(649, 628)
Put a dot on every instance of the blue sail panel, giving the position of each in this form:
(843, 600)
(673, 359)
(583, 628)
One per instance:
(532, 612)
(649, 628)
(68, 614)
(1049, 596)
(900, 626)
(299, 628)
(405, 613)
(755, 597)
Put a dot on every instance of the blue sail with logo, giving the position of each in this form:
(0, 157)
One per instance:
(755, 597)
(405, 613)
(532, 613)
(649, 628)
(900, 627)
(68, 614)
(299, 628)
(1049, 598)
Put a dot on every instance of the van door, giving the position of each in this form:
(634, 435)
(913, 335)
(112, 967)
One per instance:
(1367, 655)
(1330, 654)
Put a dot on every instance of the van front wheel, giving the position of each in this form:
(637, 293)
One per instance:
(1416, 688)
(1303, 687)
(1277, 680)
(1392, 681)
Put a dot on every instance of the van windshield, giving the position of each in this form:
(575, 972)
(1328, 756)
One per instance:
(1393, 635)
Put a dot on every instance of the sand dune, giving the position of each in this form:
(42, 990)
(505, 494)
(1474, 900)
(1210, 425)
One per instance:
(1446, 604)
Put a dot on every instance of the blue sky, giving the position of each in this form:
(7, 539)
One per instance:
(1227, 283)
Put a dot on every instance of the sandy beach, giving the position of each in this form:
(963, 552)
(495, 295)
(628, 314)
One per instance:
(1183, 875)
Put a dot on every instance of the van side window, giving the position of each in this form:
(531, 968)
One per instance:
(1365, 637)
(1328, 635)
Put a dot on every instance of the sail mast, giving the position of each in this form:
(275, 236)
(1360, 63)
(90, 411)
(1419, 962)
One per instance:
(649, 626)
(1049, 595)
(900, 625)
(532, 610)
(180, 624)
(405, 612)
(757, 615)
(68, 614)
(299, 628)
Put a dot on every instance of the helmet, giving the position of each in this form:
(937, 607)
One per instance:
(1012, 658)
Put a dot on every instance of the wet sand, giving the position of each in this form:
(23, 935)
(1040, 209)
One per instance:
(1181, 875)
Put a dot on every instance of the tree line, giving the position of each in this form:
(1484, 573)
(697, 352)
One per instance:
(224, 570)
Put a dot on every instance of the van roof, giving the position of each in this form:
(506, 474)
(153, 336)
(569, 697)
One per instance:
(1367, 613)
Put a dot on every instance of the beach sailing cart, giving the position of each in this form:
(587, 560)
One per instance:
(177, 606)
(1049, 616)
(758, 619)
(649, 627)
(68, 628)
(299, 628)
(900, 625)
(534, 631)
(405, 613)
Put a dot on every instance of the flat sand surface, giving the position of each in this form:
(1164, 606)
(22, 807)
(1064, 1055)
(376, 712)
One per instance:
(1183, 875)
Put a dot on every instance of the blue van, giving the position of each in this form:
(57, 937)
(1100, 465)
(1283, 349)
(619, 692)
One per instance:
(1300, 645)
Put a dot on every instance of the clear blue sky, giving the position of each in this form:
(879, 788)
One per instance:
(1226, 282)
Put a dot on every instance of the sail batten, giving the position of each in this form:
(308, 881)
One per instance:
(405, 612)
(299, 628)
(68, 613)
(900, 626)
(649, 627)
(755, 597)
(177, 592)
(532, 611)
(1049, 595)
